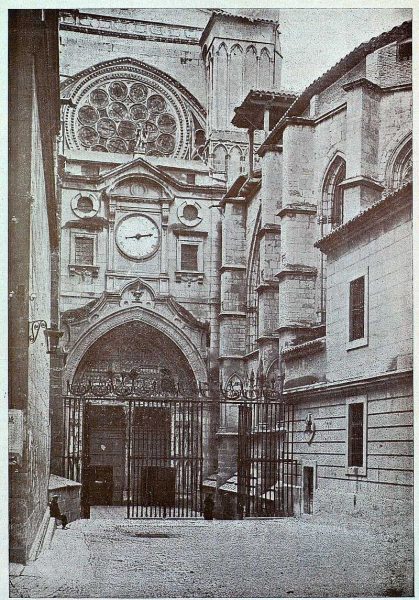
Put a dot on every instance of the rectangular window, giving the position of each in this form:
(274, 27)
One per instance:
(356, 434)
(84, 254)
(357, 309)
(189, 257)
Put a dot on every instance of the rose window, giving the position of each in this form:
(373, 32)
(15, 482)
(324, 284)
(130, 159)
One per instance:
(127, 116)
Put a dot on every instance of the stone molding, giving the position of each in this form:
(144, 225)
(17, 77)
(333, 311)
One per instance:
(361, 180)
(295, 209)
(296, 272)
(362, 82)
(225, 268)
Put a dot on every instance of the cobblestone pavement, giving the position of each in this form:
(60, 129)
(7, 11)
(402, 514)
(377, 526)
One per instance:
(109, 556)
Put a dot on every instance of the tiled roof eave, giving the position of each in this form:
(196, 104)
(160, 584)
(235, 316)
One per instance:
(364, 218)
(332, 74)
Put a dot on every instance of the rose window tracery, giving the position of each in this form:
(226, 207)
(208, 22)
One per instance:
(127, 116)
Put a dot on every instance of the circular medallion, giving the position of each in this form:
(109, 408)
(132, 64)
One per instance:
(99, 98)
(139, 112)
(117, 111)
(106, 128)
(165, 143)
(156, 103)
(138, 92)
(116, 144)
(166, 123)
(88, 136)
(127, 130)
(118, 90)
(88, 115)
(137, 236)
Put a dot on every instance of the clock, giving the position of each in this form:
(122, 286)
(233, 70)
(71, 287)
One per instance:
(137, 236)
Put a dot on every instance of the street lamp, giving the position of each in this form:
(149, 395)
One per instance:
(52, 335)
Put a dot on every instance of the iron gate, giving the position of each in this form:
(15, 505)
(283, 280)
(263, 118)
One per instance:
(165, 458)
(267, 470)
(157, 467)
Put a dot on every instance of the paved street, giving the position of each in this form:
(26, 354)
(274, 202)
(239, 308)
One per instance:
(109, 556)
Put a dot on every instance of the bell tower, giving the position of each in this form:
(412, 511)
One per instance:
(240, 54)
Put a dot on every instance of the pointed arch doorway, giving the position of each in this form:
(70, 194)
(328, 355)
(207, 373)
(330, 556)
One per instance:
(134, 425)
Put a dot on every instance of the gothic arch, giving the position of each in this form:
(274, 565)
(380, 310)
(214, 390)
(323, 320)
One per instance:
(125, 106)
(399, 164)
(220, 158)
(124, 316)
(250, 68)
(265, 74)
(332, 197)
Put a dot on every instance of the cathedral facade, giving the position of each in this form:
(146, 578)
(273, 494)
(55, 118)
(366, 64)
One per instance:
(216, 230)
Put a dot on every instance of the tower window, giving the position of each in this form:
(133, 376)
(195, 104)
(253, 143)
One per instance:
(357, 309)
(84, 254)
(189, 257)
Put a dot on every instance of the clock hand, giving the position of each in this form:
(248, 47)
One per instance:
(137, 236)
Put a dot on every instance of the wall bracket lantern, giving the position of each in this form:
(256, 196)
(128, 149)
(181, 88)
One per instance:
(52, 335)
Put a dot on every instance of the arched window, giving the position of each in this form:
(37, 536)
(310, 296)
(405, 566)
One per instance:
(402, 166)
(332, 205)
(332, 216)
(253, 302)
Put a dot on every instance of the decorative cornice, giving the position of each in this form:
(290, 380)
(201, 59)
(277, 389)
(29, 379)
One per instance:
(296, 271)
(294, 209)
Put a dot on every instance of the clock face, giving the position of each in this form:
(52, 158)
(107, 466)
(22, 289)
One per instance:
(137, 236)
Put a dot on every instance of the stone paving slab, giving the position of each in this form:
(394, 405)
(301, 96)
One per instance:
(112, 557)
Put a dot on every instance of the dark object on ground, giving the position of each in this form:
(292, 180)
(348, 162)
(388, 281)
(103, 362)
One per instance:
(64, 521)
(54, 509)
(208, 507)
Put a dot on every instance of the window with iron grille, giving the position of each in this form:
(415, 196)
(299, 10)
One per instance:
(189, 257)
(83, 251)
(356, 435)
(357, 309)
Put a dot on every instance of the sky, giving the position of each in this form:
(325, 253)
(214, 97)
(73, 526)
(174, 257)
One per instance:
(314, 39)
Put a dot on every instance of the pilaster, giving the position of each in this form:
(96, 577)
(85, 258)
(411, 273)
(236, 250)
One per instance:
(361, 188)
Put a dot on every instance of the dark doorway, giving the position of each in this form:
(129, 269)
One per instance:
(101, 485)
(308, 487)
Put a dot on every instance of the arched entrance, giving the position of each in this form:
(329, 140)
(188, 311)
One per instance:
(133, 427)
(136, 346)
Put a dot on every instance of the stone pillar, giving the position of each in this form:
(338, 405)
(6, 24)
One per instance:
(361, 188)
(232, 320)
(297, 273)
